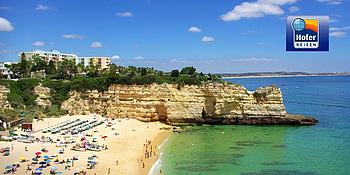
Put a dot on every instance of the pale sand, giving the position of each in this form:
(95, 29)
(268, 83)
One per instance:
(127, 147)
(149, 162)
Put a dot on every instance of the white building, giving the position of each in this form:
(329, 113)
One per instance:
(100, 62)
(54, 55)
(4, 71)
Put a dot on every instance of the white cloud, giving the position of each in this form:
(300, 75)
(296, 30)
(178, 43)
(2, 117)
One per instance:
(194, 29)
(339, 28)
(293, 9)
(39, 43)
(207, 39)
(255, 9)
(338, 32)
(116, 57)
(42, 7)
(333, 2)
(138, 58)
(5, 8)
(2, 51)
(252, 60)
(248, 32)
(184, 61)
(333, 20)
(72, 36)
(5, 25)
(125, 14)
(96, 44)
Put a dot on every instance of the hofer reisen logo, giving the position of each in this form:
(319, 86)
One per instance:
(307, 33)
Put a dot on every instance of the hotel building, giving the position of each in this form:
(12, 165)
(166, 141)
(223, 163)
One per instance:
(56, 56)
(100, 62)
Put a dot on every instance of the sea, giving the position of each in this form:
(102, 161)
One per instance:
(323, 148)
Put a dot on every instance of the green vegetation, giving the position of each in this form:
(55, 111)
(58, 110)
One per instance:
(66, 76)
(21, 92)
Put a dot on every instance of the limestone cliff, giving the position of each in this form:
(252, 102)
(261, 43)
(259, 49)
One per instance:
(43, 96)
(4, 104)
(208, 103)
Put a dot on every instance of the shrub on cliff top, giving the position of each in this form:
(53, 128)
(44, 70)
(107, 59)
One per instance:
(60, 90)
(21, 91)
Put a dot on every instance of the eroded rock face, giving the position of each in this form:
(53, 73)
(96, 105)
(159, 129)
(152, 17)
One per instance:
(4, 104)
(208, 103)
(43, 96)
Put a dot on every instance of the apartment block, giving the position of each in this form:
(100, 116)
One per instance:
(56, 56)
(47, 56)
(100, 62)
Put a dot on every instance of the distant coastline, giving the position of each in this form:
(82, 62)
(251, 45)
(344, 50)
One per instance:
(280, 74)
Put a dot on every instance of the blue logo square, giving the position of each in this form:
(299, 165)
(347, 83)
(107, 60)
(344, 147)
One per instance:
(307, 33)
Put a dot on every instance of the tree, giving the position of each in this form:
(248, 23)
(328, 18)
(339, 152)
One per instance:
(24, 68)
(81, 68)
(92, 71)
(188, 70)
(143, 71)
(51, 68)
(39, 64)
(113, 69)
(23, 56)
(175, 73)
(67, 68)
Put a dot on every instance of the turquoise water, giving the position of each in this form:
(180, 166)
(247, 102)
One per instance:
(320, 149)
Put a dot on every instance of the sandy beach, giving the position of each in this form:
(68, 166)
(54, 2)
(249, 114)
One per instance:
(125, 140)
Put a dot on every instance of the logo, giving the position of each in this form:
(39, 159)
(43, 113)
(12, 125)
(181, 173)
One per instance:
(307, 33)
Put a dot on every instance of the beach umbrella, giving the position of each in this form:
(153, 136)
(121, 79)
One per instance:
(8, 167)
(53, 168)
(46, 157)
(37, 172)
(47, 161)
(35, 159)
(91, 162)
(91, 158)
(42, 163)
(38, 153)
(22, 158)
(38, 169)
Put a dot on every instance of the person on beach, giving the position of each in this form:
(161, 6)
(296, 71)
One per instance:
(25, 148)
(116, 163)
(109, 170)
(143, 164)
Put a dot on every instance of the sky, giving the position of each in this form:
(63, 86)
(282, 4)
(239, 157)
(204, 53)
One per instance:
(221, 36)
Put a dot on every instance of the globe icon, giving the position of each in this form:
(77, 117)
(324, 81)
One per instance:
(298, 24)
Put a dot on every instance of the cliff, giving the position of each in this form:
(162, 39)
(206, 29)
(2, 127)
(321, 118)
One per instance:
(43, 96)
(4, 104)
(208, 103)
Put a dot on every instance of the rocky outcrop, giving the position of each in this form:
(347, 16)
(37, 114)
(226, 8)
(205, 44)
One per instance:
(43, 96)
(4, 104)
(209, 103)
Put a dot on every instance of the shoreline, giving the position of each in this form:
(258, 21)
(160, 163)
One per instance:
(279, 76)
(158, 141)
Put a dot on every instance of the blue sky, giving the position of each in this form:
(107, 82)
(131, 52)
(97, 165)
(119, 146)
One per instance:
(214, 36)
